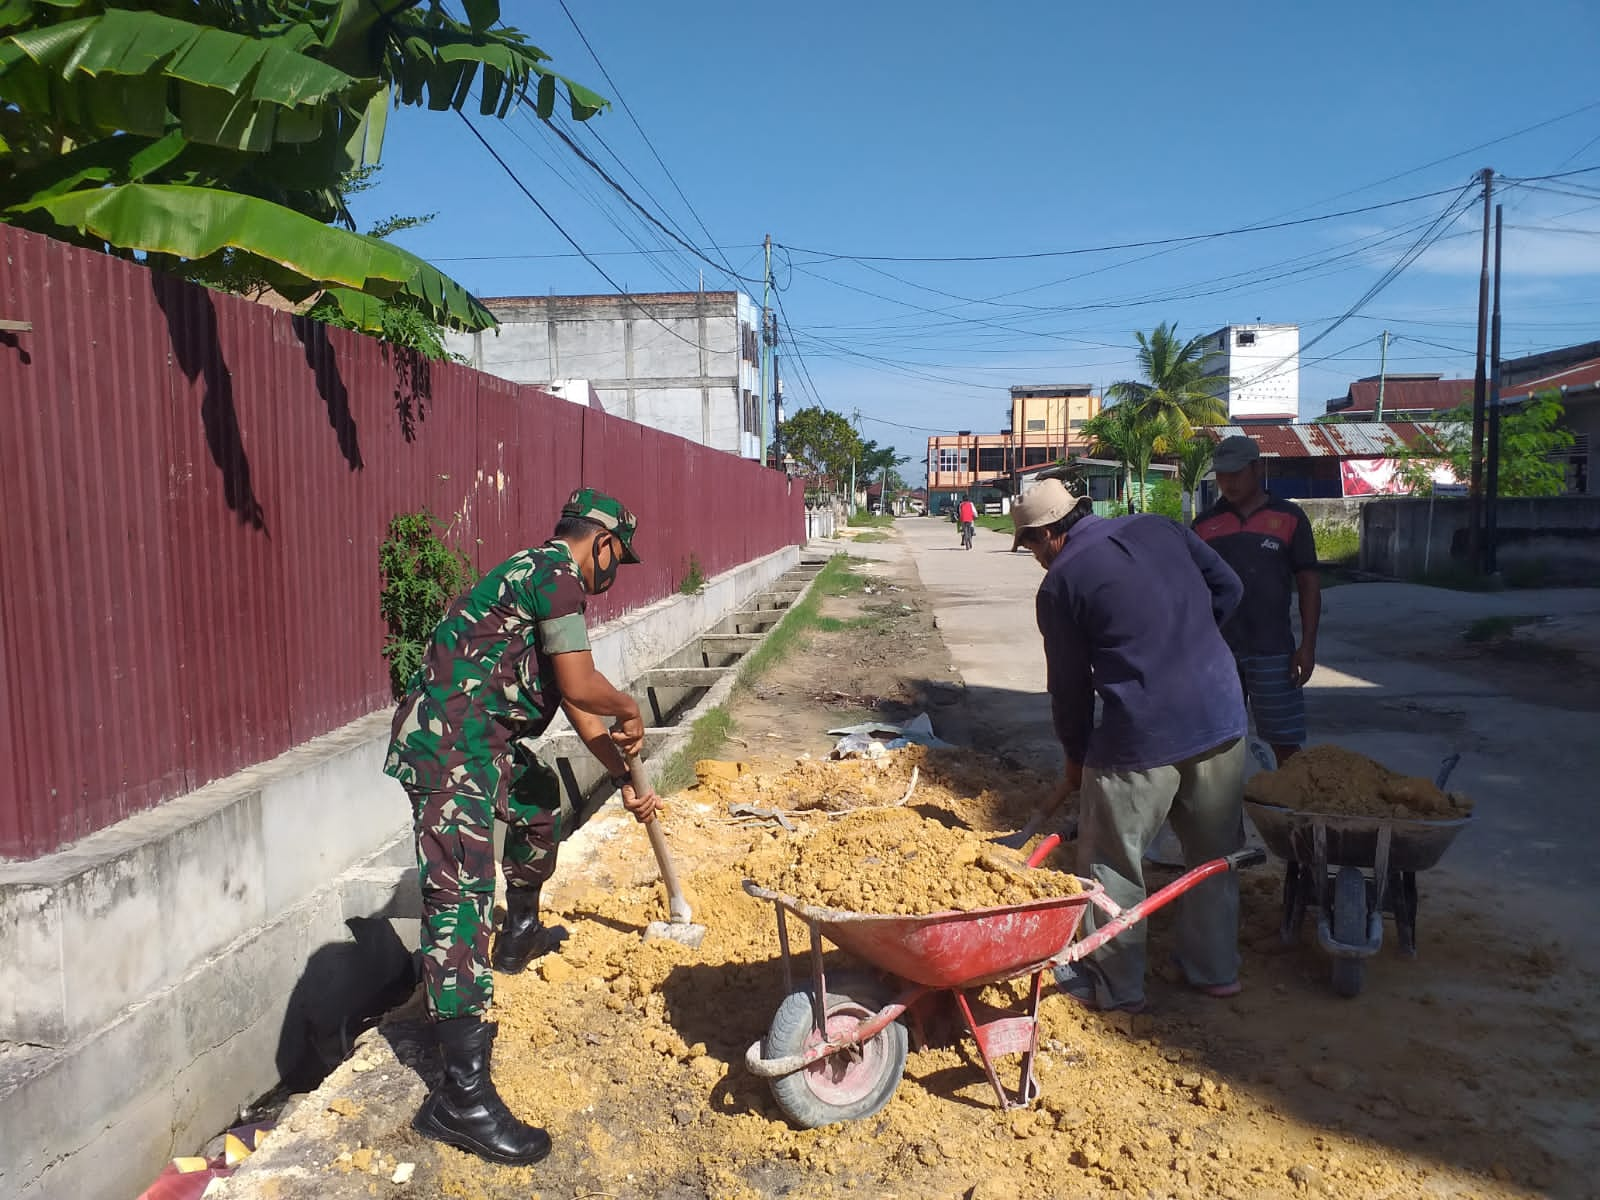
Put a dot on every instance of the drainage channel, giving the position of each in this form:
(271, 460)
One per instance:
(676, 691)
(672, 694)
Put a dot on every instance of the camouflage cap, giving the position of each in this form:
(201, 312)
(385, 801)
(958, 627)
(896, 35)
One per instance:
(607, 512)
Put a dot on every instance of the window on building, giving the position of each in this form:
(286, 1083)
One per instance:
(1037, 456)
(991, 458)
(1247, 337)
(1035, 424)
(952, 460)
(1075, 423)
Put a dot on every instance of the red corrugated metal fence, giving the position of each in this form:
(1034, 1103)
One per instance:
(193, 490)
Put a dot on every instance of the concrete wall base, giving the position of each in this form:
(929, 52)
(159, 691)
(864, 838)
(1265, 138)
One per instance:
(162, 971)
(1545, 540)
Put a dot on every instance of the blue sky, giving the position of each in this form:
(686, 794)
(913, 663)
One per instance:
(936, 130)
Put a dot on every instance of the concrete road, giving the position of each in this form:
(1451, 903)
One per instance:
(1390, 683)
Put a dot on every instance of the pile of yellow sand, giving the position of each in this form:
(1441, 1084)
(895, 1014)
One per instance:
(1331, 779)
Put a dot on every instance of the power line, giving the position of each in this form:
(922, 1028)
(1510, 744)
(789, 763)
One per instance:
(534, 200)
(1555, 120)
(645, 212)
(799, 358)
(1452, 213)
(611, 83)
(559, 167)
(1168, 241)
(901, 425)
(557, 254)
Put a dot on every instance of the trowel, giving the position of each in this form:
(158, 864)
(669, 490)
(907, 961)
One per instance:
(680, 926)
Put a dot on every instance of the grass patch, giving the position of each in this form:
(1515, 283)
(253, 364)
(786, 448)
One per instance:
(1494, 629)
(835, 579)
(694, 581)
(871, 520)
(1338, 545)
(872, 535)
(706, 739)
(999, 522)
(840, 582)
(712, 728)
(841, 624)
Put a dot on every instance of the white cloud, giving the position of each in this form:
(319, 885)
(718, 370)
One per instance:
(1526, 253)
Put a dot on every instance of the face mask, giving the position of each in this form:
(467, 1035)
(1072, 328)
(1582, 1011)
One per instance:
(605, 565)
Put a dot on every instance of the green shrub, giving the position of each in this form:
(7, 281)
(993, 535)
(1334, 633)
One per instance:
(1166, 498)
(694, 580)
(1340, 544)
(421, 576)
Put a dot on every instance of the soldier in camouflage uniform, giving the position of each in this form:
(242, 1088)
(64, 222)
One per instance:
(508, 652)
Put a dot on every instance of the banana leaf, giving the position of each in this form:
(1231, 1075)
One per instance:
(306, 255)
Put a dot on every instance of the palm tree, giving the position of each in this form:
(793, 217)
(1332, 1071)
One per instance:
(1177, 385)
(1194, 460)
(1123, 432)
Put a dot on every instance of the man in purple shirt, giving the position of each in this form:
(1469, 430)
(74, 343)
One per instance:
(1129, 611)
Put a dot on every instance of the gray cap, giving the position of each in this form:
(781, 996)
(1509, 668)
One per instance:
(1045, 503)
(1235, 453)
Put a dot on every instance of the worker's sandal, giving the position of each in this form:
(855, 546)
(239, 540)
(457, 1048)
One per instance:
(466, 1111)
(1219, 991)
(1079, 986)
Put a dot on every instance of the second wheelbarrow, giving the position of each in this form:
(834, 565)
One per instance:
(1326, 859)
(836, 1048)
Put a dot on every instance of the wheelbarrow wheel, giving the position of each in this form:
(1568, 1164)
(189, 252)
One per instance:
(851, 1084)
(1349, 927)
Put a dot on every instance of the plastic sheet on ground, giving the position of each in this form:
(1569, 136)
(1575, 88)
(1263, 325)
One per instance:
(856, 740)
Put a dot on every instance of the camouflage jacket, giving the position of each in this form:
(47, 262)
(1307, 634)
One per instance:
(486, 679)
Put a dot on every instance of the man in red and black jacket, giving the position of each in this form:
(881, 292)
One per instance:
(1269, 544)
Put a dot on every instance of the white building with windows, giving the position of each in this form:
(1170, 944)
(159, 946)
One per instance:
(1262, 363)
(687, 363)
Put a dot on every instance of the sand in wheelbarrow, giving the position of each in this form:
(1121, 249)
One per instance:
(898, 861)
(1331, 779)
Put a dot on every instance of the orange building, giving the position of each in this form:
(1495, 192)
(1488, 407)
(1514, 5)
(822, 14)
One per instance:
(1046, 423)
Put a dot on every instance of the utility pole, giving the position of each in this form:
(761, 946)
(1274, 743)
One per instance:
(855, 421)
(1383, 369)
(1491, 512)
(766, 302)
(777, 408)
(1480, 394)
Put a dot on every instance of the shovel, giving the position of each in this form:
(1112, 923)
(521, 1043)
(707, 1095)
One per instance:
(680, 927)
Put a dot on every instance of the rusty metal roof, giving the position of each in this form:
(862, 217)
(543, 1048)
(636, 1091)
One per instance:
(1434, 395)
(1582, 377)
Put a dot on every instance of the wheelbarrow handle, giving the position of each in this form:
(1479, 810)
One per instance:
(1043, 849)
(1123, 919)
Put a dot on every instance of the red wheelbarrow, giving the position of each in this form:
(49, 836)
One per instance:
(836, 1048)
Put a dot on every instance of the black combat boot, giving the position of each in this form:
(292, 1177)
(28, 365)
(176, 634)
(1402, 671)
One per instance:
(466, 1111)
(521, 938)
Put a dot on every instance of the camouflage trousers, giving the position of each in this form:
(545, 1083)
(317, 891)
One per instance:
(455, 867)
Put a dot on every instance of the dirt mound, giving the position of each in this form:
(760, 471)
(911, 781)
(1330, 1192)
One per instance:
(979, 783)
(1331, 779)
(900, 862)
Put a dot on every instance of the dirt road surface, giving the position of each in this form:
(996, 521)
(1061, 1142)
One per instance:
(1470, 1071)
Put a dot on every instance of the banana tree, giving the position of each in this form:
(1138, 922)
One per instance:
(212, 137)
